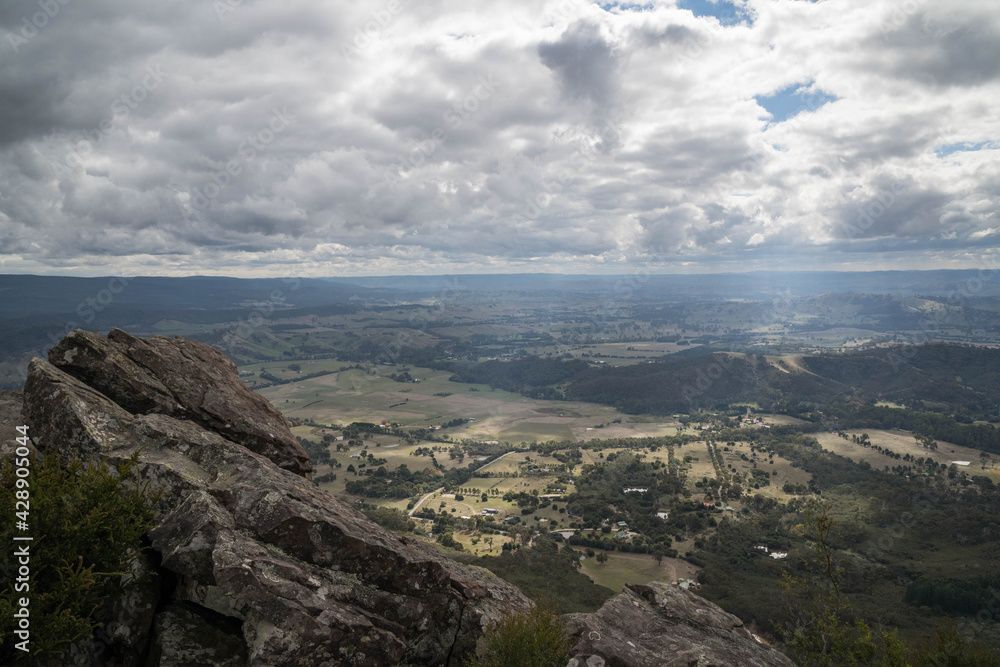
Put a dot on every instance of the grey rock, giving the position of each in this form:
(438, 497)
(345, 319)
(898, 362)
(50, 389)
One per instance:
(183, 637)
(10, 419)
(184, 379)
(661, 625)
(130, 626)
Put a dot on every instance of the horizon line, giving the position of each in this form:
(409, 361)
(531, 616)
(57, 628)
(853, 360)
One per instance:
(540, 273)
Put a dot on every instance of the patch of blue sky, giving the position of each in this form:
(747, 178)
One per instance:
(793, 100)
(626, 6)
(964, 147)
(728, 13)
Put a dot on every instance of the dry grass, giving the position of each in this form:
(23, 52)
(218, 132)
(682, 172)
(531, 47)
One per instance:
(903, 442)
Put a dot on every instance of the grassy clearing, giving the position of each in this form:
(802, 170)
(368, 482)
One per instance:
(370, 395)
(626, 354)
(627, 429)
(512, 462)
(780, 420)
(624, 569)
(903, 442)
(697, 461)
(780, 470)
(533, 431)
(479, 544)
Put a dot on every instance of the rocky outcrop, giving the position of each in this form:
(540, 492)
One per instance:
(257, 567)
(183, 379)
(306, 579)
(661, 625)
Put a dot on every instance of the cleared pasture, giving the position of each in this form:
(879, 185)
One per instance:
(902, 443)
(626, 354)
(627, 429)
(780, 472)
(481, 544)
(370, 395)
(627, 568)
(700, 463)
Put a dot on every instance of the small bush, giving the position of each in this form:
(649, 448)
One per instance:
(392, 519)
(534, 639)
(87, 524)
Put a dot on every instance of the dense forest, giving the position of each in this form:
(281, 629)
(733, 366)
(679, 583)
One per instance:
(958, 379)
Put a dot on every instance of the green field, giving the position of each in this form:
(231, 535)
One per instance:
(530, 431)
(625, 568)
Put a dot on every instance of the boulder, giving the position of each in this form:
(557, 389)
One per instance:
(662, 625)
(183, 379)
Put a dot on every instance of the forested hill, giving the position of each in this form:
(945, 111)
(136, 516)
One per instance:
(960, 379)
(965, 378)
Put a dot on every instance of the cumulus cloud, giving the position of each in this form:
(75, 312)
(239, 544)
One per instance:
(392, 136)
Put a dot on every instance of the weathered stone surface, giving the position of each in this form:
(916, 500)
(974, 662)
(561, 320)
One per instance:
(312, 581)
(661, 625)
(183, 637)
(132, 614)
(183, 379)
(10, 419)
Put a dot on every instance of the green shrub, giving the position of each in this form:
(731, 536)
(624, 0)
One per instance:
(87, 523)
(534, 639)
(950, 648)
(392, 519)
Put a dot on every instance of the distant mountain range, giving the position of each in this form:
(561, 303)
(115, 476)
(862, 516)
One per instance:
(23, 295)
(37, 311)
(757, 284)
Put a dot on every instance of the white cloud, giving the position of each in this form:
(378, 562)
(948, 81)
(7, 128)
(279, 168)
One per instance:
(553, 135)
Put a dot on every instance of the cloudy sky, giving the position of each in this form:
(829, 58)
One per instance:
(258, 137)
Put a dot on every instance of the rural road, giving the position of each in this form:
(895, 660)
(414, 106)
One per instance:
(426, 496)
(495, 460)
